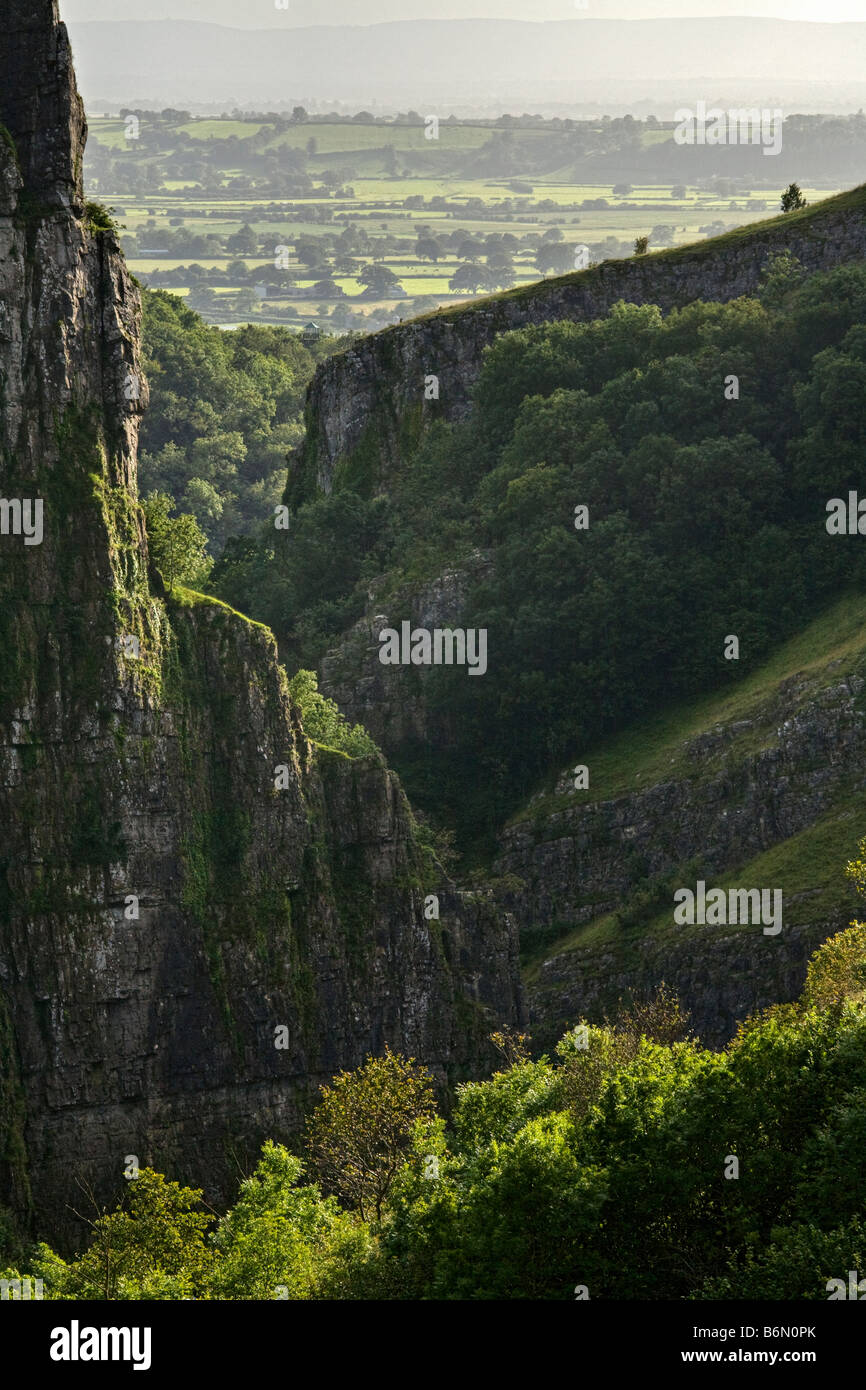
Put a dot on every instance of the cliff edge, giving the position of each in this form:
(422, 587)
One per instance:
(202, 914)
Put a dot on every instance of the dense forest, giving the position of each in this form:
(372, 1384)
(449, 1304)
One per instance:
(633, 1164)
(226, 408)
(707, 510)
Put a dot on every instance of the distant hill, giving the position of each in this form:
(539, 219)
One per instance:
(611, 64)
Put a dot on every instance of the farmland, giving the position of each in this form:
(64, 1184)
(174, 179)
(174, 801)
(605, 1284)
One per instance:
(353, 223)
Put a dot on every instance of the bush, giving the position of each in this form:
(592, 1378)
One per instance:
(323, 722)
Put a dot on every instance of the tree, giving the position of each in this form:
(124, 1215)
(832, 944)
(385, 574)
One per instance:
(310, 251)
(641, 245)
(151, 1246)
(202, 298)
(558, 257)
(323, 723)
(471, 277)
(781, 274)
(178, 546)
(500, 266)
(837, 971)
(424, 304)
(379, 278)
(341, 316)
(622, 190)
(243, 242)
(361, 1132)
(282, 1234)
(469, 248)
(792, 198)
(662, 235)
(678, 191)
(429, 249)
(203, 501)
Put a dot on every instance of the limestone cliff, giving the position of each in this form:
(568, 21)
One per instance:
(366, 406)
(165, 905)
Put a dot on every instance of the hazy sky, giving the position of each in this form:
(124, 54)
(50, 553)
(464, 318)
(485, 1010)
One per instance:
(247, 14)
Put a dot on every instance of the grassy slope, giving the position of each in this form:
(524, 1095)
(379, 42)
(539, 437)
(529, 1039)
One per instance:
(809, 867)
(753, 233)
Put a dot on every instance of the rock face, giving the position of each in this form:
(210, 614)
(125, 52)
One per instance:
(181, 872)
(726, 805)
(721, 976)
(366, 406)
(41, 105)
(737, 791)
(391, 701)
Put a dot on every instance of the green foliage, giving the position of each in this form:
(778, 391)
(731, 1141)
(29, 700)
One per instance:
(781, 275)
(591, 631)
(792, 198)
(323, 722)
(101, 219)
(609, 1168)
(362, 1128)
(152, 1246)
(284, 1240)
(225, 410)
(798, 1264)
(312, 580)
(525, 1214)
(838, 971)
(177, 544)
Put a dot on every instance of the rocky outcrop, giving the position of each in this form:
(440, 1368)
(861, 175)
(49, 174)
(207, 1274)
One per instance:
(391, 701)
(720, 976)
(732, 794)
(725, 805)
(736, 791)
(366, 406)
(202, 915)
(41, 105)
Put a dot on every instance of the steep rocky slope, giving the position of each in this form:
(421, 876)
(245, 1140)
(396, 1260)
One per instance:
(761, 787)
(704, 790)
(366, 407)
(168, 897)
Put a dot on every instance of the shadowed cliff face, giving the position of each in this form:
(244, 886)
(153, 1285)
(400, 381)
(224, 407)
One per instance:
(168, 898)
(727, 804)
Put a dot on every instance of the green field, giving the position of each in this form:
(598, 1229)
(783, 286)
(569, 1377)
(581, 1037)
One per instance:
(373, 201)
(220, 129)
